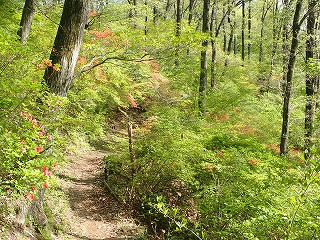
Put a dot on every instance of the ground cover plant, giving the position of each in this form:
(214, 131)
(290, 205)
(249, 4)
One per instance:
(191, 161)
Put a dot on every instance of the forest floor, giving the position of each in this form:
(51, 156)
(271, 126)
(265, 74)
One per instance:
(89, 211)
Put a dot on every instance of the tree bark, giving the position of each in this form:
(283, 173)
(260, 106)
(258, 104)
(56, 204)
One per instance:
(204, 59)
(64, 55)
(285, 43)
(311, 82)
(26, 20)
(178, 30)
(213, 33)
(287, 93)
(242, 30)
(249, 29)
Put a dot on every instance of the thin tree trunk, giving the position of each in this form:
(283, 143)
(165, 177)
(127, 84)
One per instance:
(213, 33)
(26, 20)
(155, 14)
(229, 42)
(311, 81)
(146, 18)
(249, 29)
(168, 4)
(190, 16)
(178, 30)
(204, 59)
(132, 12)
(64, 55)
(285, 44)
(263, 17)
(224, 12)
(242, 30)
(275, 38)
(290, 67)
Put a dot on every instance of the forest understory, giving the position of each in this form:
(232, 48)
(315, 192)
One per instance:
(175, 119)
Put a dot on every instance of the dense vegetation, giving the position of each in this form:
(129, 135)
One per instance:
(188, 175)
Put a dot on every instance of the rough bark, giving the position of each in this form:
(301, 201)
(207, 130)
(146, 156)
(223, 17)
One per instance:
(64, 55)
(311, 82)
(26, 20)
(287, 93)
(204, 58)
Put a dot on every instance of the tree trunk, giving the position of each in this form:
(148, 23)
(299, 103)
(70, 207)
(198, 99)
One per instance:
(242, 30)
(287, 93)
(26, 20)
(275, 38)
(64, 54)
(311, 81)
(178, 30)
(263, 17)
(191, 5)
(213, 32)
(132, 11)
(285, 44)
(249, 29)
(146, 18)
(204, 59)
(224, 12)
(190, 16)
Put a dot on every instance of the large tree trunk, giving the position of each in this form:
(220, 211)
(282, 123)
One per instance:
(64, 54)
(311, 81)
(287, 93)
(26, 20)
(204, 59)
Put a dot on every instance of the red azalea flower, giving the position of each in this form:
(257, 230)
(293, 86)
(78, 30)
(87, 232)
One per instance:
(45, 169)
(38, 149)
(49, 137)
(39, 66)
(29, 116)
(41, 134)
(47, 174)
(55, 165)
(23, 114)
(46, 185)
(23, 150)
(33, 188)
(29, 196)
(35, 122)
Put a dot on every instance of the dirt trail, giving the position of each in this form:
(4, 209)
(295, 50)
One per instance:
(92, 213)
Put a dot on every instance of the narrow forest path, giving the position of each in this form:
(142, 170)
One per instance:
(92, 213)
